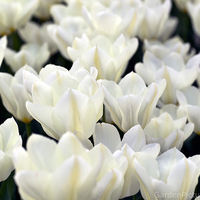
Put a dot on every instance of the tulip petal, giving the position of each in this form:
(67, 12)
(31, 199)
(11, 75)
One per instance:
(43, 114)
(175, 139)
(184, 172)
(9, 134)
(135, 83)
(21, 96)
(6, 94)
(110, 186)
(193, 115)
(129, 106)
(167, 161)
(6, 166)
(135, 138)
(49, 159)
(74, 111)
(143, 176)
(78, 179)
(70, 145)
(108, 135)
(152, 149)
(33, 185)
(43, 94)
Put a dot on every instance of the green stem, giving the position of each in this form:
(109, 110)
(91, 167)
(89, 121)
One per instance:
(134, 197)
(104, 114)
(28, 129)
(15, 41)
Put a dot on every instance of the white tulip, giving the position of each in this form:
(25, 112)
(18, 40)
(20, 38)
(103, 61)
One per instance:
(9, 139)
(31, 54)
(43, 9)
(130, 102)
(173, 68)
(133, 141)
(189, 98)
(169, 128)
(14, 95)
(65, 100)
(194, 13)
(155, 19)
(15, 13)
(59, 11)
(175, 44)
(117, 18)
(169, 28)
(170, 175)
(64, 33)
(109, 58)
(67, 170)
(33, 33)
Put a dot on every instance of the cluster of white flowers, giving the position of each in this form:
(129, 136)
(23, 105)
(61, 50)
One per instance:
(110, 134)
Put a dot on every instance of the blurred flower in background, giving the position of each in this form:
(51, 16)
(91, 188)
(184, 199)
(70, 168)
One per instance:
(175, 44)
(172, 67)
(31, 54)
(43, 9)
(194, 13)
(182, 4)
(15, 14)
(33, 33)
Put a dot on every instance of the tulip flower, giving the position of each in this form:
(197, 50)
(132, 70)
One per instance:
(169, 128)
(31, 54)
(170, 174)
(14, 94)
(189, 99)
(156, 23)
(172, 67)
(115, 18)
(194, 13)
(15, 14)
(59, 11)
(33, 33)
(130, 102)
(43, 9)
(3, 44)
(64, 33)
(132, 142)
(9, 139)
(175, 44)
(65, 100)
(109, 58)
(67, 170)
